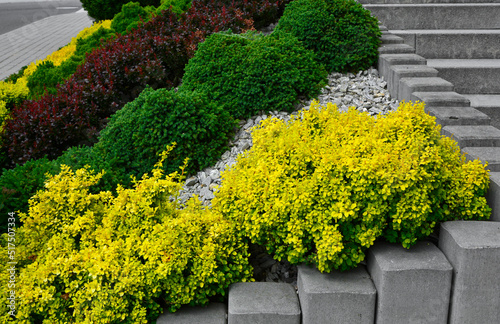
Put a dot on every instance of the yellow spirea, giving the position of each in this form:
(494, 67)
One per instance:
(98, 258)
(324, 186)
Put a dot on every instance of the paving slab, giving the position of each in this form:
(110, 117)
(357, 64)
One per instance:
(448, 116)
(484, 154)
(421, 84)
(453, 43)
(413, 286)
(398, 72)
(213, 313)
(493, 196)
(437, 15)
(473, 136)
(263, 303)
(475, 76)
(336, 297)
(473, 249)
(441, 99)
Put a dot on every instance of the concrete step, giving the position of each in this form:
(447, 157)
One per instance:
(454, 116)
(427, 84)
(386, 61)
(441, 99)
(395, 49)
(453, 43)
(493, 196)
(437, 16)
(473, 136)
(488, 104)
(473, 249)
(336, 297)
(397, 72)
(389, 38)
(484, 154)
(481, 76)
(421, 275)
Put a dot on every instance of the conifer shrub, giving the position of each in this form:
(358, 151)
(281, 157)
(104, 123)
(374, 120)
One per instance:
(130, 16)
(250, 72)
(324, 186)
(97, 258)
(142, 128)
(344, 35)
(177, 6)
(107, 9)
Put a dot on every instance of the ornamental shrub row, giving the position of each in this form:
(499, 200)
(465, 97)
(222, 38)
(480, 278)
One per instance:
(323, 187)
(153, 55)
(96, 258)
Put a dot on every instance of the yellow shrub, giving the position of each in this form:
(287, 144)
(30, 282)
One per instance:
(14, 93)
(96, 258)
(321, 188)
(4, 114)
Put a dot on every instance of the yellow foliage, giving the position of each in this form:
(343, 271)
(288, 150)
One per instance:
(97, 258)
(322, 187)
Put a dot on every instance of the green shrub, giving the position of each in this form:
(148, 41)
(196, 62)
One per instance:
(130, 16)
(142, 128)
(95, 258)
(14, 76)
(344, 35)
(178, 6)
(107, 9)
(323, 187)
(19, 184)
(250, 72)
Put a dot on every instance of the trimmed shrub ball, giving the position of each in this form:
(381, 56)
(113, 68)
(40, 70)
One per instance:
(344, 35)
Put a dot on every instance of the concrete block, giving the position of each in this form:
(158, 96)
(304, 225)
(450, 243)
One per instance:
(493, 196)
(473, 136)
(263, 303)
(427, 84)
(441, 99)
(437, 16)
(336, 297)
(473, 249)
(475, 76)
(214, 313)
(488, 104)
(447, 116)
(385, 61)
(397, 72)
(413, 286)
(484, 154)
(388, 38)
(395, 49)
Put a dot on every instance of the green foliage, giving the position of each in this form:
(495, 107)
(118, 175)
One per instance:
(130, 16)
(250, 72)
(344, 35)
(107, 9)
(15, 76)
(19, 184)
(142, 128)
(96, 258)
(47, 76)
(323, 187)
(178, 6)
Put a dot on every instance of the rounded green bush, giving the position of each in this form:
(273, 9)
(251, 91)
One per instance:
(323, 187)
(136, 134)
(344, 35)
(250, 72)
(130, 16)
(107, 9)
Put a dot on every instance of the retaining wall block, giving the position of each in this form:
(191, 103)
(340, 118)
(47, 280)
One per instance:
(214, 313)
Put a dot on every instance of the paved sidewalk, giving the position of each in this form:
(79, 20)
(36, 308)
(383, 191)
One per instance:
(39, 39)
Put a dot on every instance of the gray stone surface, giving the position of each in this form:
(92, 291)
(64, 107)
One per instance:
(488, 104)
(493, 196)
(263, 303)
(473, 249)
(453, 43)
(484, 154)
(214, 313)
(398, 72)
(395, 49)
(447, 116)
(441, 99)
(413, 286)
(417, 84)
(388, 38)
(473, 136)
(39, 39)
(475, 76)
(437, 16)
(385, 61)
(336, 297)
